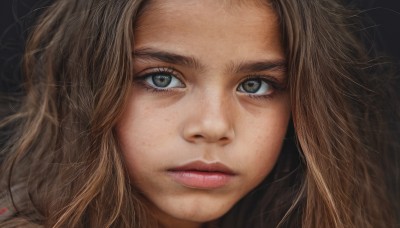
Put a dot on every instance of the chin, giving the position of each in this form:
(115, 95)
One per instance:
(197, 213)
(205, 216)
(208, 213)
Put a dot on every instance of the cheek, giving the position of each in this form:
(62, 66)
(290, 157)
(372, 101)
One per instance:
(141, 131)
(264, 155)
(263, 137)
(260, 159)
(139, 151)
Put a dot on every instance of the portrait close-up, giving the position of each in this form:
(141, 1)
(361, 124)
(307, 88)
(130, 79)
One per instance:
(200, 113)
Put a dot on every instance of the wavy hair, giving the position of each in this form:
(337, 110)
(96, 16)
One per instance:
(64, 167)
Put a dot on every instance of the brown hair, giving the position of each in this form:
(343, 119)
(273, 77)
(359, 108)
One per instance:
(333, 170)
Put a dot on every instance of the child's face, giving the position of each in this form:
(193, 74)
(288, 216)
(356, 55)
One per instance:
(209, 88)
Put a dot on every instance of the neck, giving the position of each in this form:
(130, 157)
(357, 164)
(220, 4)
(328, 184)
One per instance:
(167, 221)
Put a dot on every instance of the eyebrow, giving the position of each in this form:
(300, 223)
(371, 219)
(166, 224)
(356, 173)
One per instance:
(189, 61)
(167, 57)
(258, 66)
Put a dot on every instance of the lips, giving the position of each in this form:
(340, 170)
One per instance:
(202, 175)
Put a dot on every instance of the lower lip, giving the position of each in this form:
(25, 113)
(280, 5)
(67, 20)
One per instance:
(201, 180)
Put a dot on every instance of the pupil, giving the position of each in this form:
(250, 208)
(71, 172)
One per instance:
(161, 80)
(252, 86)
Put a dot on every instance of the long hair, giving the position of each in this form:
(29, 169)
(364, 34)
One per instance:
(64, 166)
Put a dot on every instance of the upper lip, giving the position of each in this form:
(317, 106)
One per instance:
(204, 167)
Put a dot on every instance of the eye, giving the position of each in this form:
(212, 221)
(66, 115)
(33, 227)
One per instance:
(255, 86)
(163, 81)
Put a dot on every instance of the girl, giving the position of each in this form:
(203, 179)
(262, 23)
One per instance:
(200, 114)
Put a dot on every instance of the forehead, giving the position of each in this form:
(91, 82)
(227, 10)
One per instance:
(245, 11)
(160, 18)
(217, 33)
(224, 3)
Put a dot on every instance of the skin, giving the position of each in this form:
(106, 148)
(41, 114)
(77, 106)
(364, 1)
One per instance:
(205, 115)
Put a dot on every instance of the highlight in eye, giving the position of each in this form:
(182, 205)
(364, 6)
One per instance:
(257, 86)
(160, 79)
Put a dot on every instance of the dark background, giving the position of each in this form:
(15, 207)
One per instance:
(17, 17)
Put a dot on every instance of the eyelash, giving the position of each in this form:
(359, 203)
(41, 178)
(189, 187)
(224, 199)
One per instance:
(271, 81)
(154, 71)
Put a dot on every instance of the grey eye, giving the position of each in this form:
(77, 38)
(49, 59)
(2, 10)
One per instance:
(251, 86)
(255, 86)
(163, 81)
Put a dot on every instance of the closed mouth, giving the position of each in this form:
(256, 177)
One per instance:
(200, 175)
(202, 167)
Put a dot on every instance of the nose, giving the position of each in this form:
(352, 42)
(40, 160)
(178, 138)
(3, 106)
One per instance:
(209, 120)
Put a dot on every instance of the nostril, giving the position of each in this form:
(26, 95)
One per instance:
(200, 137)
(224, 139)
